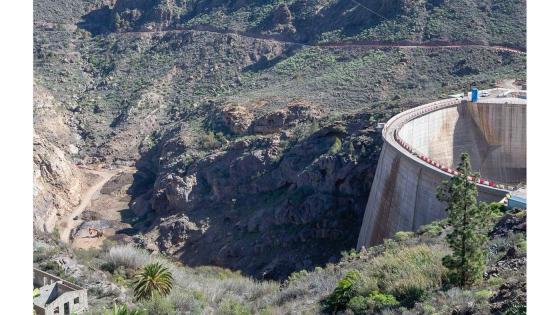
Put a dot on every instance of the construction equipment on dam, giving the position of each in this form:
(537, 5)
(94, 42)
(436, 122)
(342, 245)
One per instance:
(421, 147)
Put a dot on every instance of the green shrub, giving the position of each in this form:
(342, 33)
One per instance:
(381, 301)
(349, 254)
(296, 275)
(520, 243)
(375, 301)
(56, 234)
(86, 256)
(231, 306)
(210, 141)
(496, 281)
(403, 236)
(336, 146)
(431, 230)
(408, 273)
(43, 253)
(159, 306)
(344, 291)
(366, 285)
(483, 294)
(187, 301)
(123, 310)
(358, 304)
(516, 309)
(410, 295)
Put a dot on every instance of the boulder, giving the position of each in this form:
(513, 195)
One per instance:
(177, 230)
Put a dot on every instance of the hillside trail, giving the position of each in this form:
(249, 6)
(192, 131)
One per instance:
(105, 175)
(371, 45)
(343, 45)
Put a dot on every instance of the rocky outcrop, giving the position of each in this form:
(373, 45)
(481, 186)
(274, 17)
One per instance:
(235, 118)
(172, 192)
(176, 231)
(282, 119)
(144, 15)
(233, 207)
(56, 186)
(57, 182)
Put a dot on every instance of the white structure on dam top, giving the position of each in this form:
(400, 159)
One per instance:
(424, 144)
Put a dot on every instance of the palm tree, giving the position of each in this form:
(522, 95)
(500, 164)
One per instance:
(155, 279)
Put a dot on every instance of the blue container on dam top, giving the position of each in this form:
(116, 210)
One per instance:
(474, 94)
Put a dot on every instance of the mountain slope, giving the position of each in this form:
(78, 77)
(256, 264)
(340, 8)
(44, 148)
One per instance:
(252, 153)
(500, 22)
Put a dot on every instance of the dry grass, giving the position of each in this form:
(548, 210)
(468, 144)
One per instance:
(196, 290)
(404, 268)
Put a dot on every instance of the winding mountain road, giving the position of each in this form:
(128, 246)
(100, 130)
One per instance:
(364, 44)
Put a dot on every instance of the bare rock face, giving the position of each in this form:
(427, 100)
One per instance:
(57, 184)
(177, 230)
(234, 206)
(173, 192)
(141, 206)
(285, 118)
(57, 181)
(236, 118)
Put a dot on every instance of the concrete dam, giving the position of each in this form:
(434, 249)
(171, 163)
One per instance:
(423, 145)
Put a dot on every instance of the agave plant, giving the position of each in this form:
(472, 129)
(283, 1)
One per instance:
(154, 279)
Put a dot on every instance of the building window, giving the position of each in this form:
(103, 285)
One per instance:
(67, 308)
(56, 310)
(77, 300)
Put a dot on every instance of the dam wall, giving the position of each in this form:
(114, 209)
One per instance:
(422, 146)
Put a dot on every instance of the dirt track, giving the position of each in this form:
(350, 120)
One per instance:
(105, 175)
(365, 44)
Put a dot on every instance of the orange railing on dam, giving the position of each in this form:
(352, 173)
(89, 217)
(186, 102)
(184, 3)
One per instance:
(393, 127)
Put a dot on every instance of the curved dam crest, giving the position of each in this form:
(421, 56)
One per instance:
(421, 148)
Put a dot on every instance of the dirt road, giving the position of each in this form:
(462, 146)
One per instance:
(68, 222)
(364, 44)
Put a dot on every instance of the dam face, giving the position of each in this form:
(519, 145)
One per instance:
(422, 147)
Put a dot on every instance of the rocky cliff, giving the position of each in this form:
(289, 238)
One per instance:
(57, 181)
(233, 206)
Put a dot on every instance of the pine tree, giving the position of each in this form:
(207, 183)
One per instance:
(469, 221)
